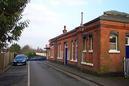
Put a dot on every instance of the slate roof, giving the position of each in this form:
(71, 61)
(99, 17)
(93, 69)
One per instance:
(108, 15)
(115, 16)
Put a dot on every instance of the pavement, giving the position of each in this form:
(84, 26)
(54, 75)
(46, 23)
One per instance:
(99, 80)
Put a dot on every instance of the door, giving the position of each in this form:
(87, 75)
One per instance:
(127, 47)
(127, 51)
(65, 53)
(126, 60)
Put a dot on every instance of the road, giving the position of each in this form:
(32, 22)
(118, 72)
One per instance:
(44, 75)
(15, 76)
(37, 73)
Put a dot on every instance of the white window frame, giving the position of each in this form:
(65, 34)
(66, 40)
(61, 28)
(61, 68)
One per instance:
(52, 52)
(84, 45)
(59, 52)
(76, 49)
(72, 51)
(90, 44)
(127, 38)
(84, 62)
(116, 44)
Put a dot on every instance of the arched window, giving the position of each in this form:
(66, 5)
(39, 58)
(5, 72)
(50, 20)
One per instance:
(114, 41)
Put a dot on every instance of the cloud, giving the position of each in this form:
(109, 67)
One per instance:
(40, 13)
(41, 17)
(42, 22)
(47, 18)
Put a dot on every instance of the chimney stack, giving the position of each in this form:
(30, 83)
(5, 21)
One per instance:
(64, 31)
(81, 18)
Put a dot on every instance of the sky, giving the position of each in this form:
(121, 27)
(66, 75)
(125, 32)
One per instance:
(48, 17)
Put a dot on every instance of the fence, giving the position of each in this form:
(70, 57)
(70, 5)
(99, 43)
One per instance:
(5, 60)
(41, 54)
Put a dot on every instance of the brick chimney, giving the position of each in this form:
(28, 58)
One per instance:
(81, 19)
(64, 31)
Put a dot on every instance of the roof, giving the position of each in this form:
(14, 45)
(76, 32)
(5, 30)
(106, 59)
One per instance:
(54, 39)
(115, 16)
(112, 16)
(108, 15)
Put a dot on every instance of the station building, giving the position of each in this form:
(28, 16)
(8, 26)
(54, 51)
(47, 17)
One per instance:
(97, 46)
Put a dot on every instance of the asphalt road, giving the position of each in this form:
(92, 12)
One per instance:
(37, 73)
(15, 76)
(44, 75)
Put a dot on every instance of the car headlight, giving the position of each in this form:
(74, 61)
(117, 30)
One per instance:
(23, 60)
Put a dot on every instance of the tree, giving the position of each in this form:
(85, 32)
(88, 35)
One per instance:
(28, 51)
(11, 25)
(15, 48)
(39, 50)
(26, 48)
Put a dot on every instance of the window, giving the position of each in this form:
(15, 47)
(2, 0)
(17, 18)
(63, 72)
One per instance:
(90, 43)
(84, 44)
(59, 52)
(84, 61)
(59, 48)
(87, 44)
(52, 51)
(113, 42)
(127, 39)
(72, 50)
(76, 50)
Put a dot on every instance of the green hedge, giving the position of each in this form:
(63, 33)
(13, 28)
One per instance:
(30, 54)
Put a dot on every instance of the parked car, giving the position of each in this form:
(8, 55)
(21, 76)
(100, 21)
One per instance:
(20, 59)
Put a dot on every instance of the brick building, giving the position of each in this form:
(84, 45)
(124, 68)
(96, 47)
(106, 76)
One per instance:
(98, 46)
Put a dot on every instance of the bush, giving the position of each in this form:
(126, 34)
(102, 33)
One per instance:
(30, 54)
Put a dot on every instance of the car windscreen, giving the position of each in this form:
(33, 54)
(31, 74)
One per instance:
(20, 57)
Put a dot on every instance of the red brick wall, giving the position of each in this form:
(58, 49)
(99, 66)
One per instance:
(112, 62)
(96, 49)
(93, 57)
(103, 61)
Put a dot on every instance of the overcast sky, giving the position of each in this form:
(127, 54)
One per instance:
(47, 17)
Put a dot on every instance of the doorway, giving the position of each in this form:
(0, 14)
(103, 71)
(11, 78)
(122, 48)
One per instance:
(126, 60)
(65, 53)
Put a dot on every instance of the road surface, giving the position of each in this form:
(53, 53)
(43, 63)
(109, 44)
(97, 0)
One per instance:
(38, 73)
(15, 76)
(44, 75)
